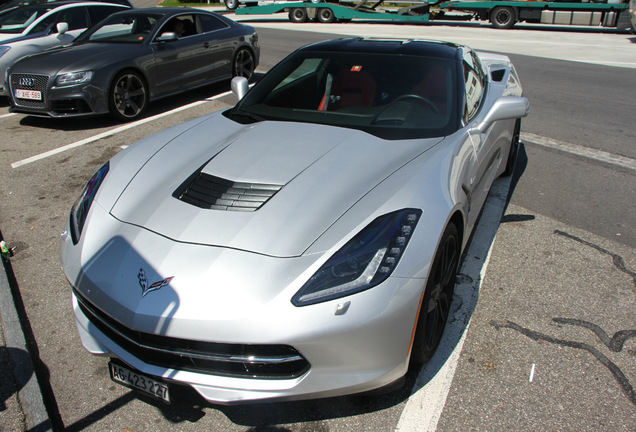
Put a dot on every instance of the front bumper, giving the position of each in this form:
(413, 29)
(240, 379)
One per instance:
(227, 296)
(72, 101)
(362, 352)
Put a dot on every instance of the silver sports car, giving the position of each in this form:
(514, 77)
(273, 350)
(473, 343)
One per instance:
(304, 243)
(132, 58)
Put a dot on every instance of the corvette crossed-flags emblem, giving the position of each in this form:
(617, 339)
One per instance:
(143, 282)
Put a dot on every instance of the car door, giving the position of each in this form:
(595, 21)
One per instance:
(482, 163)
(220, 45)
(76, 18)
(182, 62)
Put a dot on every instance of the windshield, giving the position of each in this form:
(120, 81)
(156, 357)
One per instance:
(16, 20)
(131, 29)
(390, 96)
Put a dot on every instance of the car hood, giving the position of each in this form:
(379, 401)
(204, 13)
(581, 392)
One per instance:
(9, 36)
(70, 58)
(321, 171)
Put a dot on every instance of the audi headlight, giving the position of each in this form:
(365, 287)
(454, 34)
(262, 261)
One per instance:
(79, 211)
(73, 78)
(364, 261)
(4, 49)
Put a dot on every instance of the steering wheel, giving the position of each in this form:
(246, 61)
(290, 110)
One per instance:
(428, 102)
(414, 97)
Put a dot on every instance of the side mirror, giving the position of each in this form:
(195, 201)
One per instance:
(168, 37)
(239, 86)
(505, 108)
(62, 28)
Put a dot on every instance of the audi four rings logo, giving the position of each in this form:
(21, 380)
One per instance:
(26, 82)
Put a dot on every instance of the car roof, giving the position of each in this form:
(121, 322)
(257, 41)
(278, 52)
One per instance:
(166, 11)
(389, 46)
(55, 4)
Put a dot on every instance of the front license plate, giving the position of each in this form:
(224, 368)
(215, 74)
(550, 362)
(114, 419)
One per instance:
(28, 94)
(138, 381)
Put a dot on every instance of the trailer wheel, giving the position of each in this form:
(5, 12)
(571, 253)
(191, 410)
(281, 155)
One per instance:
(326, 15)
(298, 15)
(231, 4)
(503, 17)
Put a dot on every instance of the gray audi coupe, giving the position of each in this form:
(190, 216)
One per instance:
(130, 59)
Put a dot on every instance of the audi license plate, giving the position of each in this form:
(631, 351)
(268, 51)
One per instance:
(138, 381)
(28, 94)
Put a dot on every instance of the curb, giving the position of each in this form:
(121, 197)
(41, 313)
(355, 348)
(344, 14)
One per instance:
(29, 395)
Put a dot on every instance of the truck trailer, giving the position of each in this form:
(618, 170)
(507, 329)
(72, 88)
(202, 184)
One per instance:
(501, 14)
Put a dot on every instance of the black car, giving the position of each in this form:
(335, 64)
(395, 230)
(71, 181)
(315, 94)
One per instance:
(131, 58)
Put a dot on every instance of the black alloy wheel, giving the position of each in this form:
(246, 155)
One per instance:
(437, 297)
(243, 64)
(128, 97)
(514, 150)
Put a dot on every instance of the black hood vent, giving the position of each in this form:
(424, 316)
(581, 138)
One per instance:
(210, 192)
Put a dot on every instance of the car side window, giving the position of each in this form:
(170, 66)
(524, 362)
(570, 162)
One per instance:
(44, 24)
(76, 18)
(474, 85)
(98, 13)
(182, 25)
(210, 23)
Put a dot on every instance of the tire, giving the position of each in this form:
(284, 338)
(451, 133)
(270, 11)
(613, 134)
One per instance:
(503, 17)
(243, 64)
(514, 150)
(326, 15)
(298, 15)
(437, 298)
(231, 4)
(127, 96)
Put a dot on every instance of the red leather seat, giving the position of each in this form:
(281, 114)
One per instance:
(434, 87)
(352, 88)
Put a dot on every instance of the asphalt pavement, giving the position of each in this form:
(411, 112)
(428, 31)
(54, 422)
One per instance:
(506, 351)
(21, 400)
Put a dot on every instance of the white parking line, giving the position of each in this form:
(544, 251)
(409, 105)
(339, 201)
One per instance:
(112, 132)
(426, 403)
(579, 150)
(7, 115)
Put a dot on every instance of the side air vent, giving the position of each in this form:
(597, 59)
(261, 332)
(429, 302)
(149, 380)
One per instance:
(210, 192)
(497, 75)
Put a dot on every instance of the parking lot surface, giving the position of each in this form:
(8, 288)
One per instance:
(544, 332)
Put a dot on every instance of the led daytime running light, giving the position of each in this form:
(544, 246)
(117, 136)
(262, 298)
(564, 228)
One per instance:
(80, 209)
(363, 262)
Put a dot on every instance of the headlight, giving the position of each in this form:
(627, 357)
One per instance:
(73, 78)
(364, 262)
(79, 211)
(4, 49)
